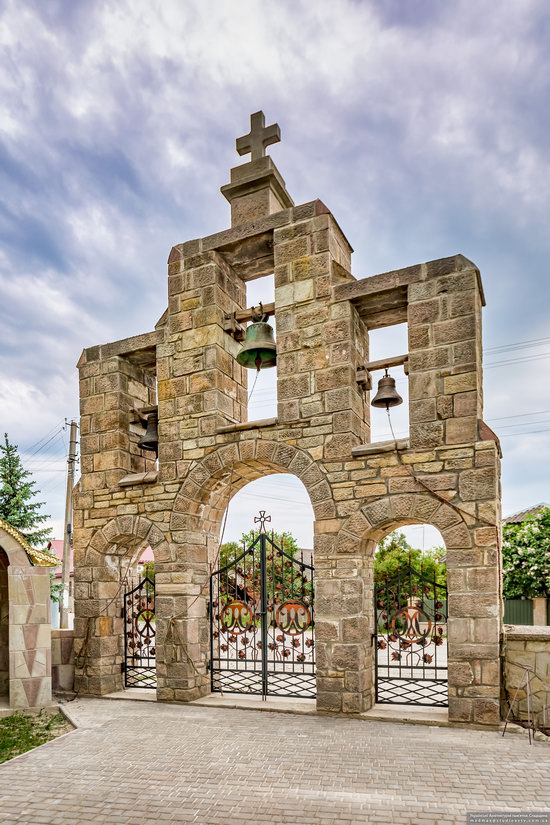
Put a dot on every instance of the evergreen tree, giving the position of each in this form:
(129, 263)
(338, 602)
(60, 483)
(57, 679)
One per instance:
(17, 492)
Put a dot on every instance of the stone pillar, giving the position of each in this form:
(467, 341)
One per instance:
(343, 605)
(540, 610)
(445, 376)
(320, 345)
(474, 592)
(30, 682)
(256, 189)
(201, 387)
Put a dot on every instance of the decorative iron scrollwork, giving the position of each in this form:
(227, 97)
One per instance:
(236, 616)
(293, 617)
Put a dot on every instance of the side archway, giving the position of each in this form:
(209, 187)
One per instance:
(345, 608)
(108, 568)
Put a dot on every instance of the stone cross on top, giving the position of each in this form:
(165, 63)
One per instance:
(259, 137)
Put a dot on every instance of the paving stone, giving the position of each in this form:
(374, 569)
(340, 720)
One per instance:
(143, 763)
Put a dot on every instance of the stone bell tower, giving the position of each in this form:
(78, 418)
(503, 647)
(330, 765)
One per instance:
(185, 369)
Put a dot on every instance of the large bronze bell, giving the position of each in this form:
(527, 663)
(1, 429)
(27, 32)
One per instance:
(150, 439)
(387, 396)
(259, 350)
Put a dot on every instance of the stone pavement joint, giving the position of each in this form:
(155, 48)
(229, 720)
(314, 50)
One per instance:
(144, 763)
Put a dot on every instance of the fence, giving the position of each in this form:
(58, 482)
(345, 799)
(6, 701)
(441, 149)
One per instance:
(518, 611)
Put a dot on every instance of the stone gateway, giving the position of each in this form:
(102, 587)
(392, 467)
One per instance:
(184, 370)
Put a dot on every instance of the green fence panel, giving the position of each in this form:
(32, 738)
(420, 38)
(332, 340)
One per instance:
(518, 611)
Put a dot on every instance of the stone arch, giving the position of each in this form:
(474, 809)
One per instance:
(214, 480)
(100, 583)
(125, 535)
(373, 521)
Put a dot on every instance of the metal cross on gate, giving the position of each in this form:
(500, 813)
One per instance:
(259, 137)
(262, 518)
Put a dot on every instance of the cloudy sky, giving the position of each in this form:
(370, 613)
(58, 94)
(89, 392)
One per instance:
(423, 125)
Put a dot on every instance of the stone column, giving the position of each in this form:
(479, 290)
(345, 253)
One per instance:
(540, 610)
(319, 345)
(30, 682)
(256, 189)
(445, 377)
(201, 387)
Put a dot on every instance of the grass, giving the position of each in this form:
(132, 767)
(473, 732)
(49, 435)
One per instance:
(21, 732)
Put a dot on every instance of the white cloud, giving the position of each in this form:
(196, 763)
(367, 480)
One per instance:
(425, 133)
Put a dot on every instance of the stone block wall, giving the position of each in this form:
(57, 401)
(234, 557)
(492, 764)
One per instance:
(527, 646)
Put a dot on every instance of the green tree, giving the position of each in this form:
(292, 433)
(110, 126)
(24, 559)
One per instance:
(17, 494)
(526, 557)
(394, 553)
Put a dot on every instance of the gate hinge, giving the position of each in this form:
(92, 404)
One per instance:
(372, 639)
(122, 667)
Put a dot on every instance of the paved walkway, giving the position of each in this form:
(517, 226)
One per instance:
(143, 763)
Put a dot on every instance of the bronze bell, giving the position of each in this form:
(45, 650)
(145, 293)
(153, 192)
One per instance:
(150, 439)
(387, 396)
(259, 350)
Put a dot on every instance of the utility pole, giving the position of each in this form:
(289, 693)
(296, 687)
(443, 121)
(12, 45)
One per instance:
(67, 538)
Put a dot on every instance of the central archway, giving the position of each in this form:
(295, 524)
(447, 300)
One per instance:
(196, 523)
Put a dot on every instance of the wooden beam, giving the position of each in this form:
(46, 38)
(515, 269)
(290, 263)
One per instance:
(248, 314)
(386, 363)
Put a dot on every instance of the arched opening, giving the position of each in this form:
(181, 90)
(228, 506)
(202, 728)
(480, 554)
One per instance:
(197, 525)
(410, 609)
(4, 628)
(346, 605)
(116, 619)
(262, 636)
(139, 667)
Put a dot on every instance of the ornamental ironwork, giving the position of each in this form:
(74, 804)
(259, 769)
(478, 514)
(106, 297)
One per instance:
(139, 636)
(261, 620)
(411, 639)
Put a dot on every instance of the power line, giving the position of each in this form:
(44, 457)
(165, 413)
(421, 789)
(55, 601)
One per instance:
(44, 445)
(540, 357)
(36, 443)
(519, 344)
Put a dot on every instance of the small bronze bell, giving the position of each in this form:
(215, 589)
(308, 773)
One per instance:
(259, 350)
(387, 396)
(150, 439)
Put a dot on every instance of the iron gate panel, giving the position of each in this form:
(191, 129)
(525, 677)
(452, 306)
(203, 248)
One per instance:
(411, 639)
(261, 622)
(139, 636)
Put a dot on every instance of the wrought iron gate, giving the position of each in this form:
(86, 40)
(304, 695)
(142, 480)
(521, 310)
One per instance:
(261, 621)
(411, 639)
(139, 636)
